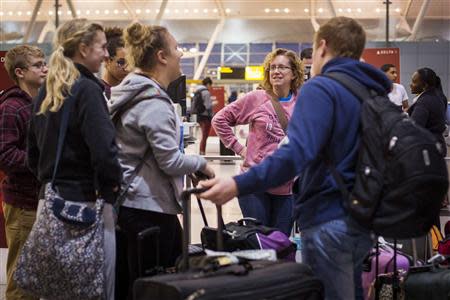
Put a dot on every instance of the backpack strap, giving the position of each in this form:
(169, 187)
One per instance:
(360, 92)
(357, 89)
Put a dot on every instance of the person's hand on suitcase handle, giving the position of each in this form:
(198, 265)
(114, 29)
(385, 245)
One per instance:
(220, 190)
(206, 173)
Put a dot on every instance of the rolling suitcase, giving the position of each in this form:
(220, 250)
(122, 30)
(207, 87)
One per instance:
(248, 280)
(430, 281)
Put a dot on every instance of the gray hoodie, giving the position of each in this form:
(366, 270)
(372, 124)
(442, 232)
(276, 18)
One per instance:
(151, 125)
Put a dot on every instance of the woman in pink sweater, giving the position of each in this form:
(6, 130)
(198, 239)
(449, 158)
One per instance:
(282, 77)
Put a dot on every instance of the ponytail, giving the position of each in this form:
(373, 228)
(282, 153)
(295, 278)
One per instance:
(61, 76)
(62, 72)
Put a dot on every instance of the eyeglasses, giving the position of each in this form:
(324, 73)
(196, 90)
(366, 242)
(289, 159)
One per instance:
(39, 65)
(281, 68)
(121, 63)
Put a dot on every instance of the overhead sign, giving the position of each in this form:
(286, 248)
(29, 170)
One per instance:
(231, 73)
(254, 73)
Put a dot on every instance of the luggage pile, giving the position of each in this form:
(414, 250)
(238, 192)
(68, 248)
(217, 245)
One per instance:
(229, 275)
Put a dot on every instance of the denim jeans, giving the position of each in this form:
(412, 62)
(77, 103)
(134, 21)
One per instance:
(270, 210)
(335, 251)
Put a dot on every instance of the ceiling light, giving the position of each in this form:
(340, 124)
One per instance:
(125, 12)
(359, 10)
(116, 11)
(177, 11)
(267, 10)
(286, 10)
(157, 11)
(88, 12)
(195, 10)
(340, 10)
(78, 12)
(349, 10)
(148, 11)
(97, 12)
(59, 12)
(138, 11)
(205, 10)
(19, 13)
(106, 12)
(50, 12)
(227, 10)
(39, 12)
(377, 10)
(69, 12)
(277, 10)
(186, 11)
(215, 10)
(167, 11)
(28, 13)
(397, 10)
(320, 10)
(1, 13)
(306, 10)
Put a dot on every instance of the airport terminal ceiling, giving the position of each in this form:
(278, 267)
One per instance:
(235, 21)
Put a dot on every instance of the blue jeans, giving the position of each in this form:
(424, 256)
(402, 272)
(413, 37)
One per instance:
(271, 210)
(335, 251)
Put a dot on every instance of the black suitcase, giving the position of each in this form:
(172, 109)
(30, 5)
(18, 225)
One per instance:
(225, 151)
(430, 281)
(252, 280)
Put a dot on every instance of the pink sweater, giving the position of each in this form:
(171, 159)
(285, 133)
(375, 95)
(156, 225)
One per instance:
(256, 109)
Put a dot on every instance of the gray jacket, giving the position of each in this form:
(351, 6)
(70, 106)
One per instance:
(151, 125)
(207, 101)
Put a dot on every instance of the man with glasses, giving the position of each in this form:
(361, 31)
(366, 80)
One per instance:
(115, 65)
(26, 66)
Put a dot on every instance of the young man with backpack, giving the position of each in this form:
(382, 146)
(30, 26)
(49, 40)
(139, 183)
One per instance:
(324, 131)
(202, 105)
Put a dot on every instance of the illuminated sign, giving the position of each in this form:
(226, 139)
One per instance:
(254, 73)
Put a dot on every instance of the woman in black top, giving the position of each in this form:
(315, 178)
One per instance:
(430, 106)
(88, 166)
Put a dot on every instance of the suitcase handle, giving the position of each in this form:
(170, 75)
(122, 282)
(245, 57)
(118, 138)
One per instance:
(185, 199)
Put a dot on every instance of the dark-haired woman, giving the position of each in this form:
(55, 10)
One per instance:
(149, 131)
(430, 105)
(115, 67)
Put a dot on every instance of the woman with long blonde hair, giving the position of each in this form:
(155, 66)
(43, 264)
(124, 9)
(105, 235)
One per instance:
(88, 167)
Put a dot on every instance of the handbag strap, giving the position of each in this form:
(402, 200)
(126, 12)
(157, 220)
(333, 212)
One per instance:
(115, 119)
(280, 112)
(66, 108)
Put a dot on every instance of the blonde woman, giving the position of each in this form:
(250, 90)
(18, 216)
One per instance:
(282, 78)
(149, 129)
(88, 166)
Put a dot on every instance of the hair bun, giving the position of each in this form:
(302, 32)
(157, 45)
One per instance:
(113, 32)
(136, 34)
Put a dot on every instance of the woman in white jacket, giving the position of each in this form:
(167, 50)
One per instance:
(148, 130)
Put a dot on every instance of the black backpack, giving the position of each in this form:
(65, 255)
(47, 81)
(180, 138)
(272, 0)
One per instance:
(198, 105)
(401, 175)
